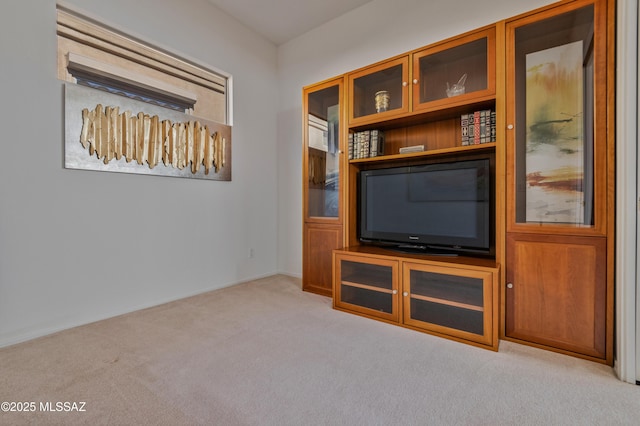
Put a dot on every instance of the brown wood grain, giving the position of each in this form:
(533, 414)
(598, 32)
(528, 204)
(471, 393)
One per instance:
(559, 292)
(319, 241)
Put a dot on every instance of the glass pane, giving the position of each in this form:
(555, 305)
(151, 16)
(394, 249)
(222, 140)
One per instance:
(554, 119)
(364, 273)
(454, 71)
(465, 290)
(447, 316)
(382, 302)
(378, 92)
(324, 139)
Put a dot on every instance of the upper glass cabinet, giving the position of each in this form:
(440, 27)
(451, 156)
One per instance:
(556, 132)
(454, 71)
(379, 92)
(322, 151)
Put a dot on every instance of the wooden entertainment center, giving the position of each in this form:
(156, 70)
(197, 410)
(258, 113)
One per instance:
(548, 77)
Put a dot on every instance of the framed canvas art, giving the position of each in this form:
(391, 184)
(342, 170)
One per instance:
(555, 135)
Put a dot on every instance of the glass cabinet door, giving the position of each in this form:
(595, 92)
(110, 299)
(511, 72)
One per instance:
(455, 71)
(556, 133)
(368, 286)
(379, 92)
(454, 301)
(322, 152)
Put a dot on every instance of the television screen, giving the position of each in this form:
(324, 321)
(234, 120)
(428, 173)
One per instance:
(443, 206)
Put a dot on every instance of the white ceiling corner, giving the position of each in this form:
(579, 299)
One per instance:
(282, 20)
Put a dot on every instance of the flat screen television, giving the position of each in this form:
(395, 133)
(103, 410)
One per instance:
(443, 208)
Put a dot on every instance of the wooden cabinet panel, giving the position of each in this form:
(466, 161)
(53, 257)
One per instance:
(319, 241)
(556, 292)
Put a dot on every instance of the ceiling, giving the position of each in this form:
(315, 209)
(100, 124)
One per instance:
(282, 20)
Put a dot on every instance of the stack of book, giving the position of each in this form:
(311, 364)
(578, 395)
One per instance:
(478, 127)
(365, 144)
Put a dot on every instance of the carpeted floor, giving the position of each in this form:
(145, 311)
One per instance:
(266, 353)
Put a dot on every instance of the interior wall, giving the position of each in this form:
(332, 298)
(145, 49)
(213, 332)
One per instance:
(376, 31)
(79, 246)
(626, 183)
(632, 364)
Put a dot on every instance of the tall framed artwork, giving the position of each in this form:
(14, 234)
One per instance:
(555, 134)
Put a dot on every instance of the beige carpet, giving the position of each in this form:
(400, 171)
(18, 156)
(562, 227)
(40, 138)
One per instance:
(266, 353)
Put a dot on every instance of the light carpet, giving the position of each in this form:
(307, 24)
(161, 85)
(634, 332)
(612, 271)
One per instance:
(266, 353)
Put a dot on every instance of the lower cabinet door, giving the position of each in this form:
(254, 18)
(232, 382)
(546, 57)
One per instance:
(556, 292)
(366, 285)
(319, 241)
(452, 301)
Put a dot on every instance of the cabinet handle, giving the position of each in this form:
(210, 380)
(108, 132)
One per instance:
(415, 81)
(395, 292)
(510, 126)
(405, 294)
(509, 285)
(404, 84)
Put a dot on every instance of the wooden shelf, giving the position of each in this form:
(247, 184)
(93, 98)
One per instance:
(413, 155)
(436, 111)
(368, 287)
(447, 302)
(459, 262)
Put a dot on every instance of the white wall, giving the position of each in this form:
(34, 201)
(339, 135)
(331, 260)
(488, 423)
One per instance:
(78, 246)
(376, 31)
(627, 298)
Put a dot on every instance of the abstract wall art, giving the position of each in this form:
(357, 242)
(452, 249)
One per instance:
(555, 135)
(108, 132)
